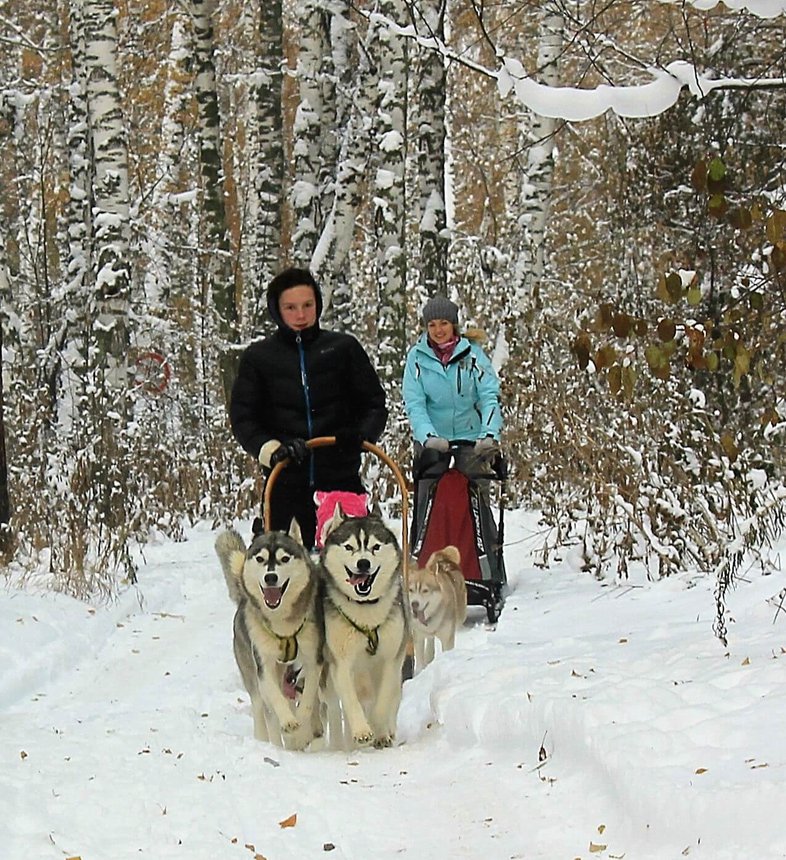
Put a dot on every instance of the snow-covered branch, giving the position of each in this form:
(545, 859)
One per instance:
(648, 99)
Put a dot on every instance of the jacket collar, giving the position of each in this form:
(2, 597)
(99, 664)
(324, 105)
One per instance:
(307, 335)
(462, 348)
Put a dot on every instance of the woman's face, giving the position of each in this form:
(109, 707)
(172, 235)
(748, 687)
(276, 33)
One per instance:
(298, 307)
(440, 331)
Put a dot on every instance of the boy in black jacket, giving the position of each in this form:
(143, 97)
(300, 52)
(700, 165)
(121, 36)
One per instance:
(299, 383)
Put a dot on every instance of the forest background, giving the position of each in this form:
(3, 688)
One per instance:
(626, 256)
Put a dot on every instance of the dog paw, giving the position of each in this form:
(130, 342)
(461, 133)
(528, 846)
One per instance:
(363, 739)
(383, 741)
(299, 740)
(290, 727)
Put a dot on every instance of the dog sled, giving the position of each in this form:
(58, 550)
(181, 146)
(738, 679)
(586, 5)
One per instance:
(452, 505)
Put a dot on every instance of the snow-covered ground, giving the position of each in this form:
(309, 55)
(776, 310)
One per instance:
(597, 720)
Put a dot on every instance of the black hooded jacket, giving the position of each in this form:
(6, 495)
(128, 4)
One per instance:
(307, 384)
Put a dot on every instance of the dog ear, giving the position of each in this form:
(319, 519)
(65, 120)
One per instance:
(376, 511)
(294, 531)
(452, 553)
(258, 526)
(449, 553)
(334, 522)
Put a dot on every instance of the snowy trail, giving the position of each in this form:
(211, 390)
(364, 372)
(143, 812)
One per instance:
(127, 733)
(160, 699)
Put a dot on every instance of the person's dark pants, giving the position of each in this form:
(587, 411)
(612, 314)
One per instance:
(288, 501)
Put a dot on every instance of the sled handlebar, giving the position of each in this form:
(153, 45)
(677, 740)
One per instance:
(325, 441)
(498, 465)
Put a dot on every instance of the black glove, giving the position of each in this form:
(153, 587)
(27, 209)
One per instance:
(295, 450)
(349, 441)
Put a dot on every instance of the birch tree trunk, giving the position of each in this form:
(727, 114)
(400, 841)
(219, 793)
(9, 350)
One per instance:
(389, 188)
(355, 102)
(165, 227)
(266, 147)
(431, 133)
(214, 256)
(314, 118)
(536, 183)
(110, 209)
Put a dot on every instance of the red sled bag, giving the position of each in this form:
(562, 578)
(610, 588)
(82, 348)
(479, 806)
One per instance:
(452, 507)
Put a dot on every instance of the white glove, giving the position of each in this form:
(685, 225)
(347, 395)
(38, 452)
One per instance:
(486, 448)
(437, 443)
(266, 452)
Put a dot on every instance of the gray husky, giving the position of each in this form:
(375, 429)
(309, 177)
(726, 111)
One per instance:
(277, 632)
(366, 631)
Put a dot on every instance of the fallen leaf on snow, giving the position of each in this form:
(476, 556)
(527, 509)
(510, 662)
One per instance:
(595, 848)
(289, 822)
(701, 770)
(746, 661)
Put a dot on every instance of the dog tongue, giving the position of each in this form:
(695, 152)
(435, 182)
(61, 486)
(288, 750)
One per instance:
(272, 596)
(358, 579)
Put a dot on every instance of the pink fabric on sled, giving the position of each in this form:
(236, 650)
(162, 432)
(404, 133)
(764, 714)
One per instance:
(352, 504)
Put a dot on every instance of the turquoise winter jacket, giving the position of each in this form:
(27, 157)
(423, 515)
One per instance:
(459, 400)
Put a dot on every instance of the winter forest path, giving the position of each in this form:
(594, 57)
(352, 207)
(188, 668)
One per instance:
(592, 716)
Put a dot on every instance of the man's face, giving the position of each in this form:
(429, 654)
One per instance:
(298, 307)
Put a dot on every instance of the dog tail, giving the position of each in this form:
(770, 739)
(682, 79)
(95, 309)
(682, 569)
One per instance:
(231, 553)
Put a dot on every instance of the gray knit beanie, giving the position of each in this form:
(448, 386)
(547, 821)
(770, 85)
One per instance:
(440, 308)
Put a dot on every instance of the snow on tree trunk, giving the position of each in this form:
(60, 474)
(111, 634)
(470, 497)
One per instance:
(355, 108)
(215, 261)
(389, 197)
(164, 229)
(430, 125)
(536, 184)
(266, 154)
(110, 209)
(313, 119)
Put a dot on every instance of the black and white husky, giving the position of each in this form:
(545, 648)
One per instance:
(277, 632)
(366, 630)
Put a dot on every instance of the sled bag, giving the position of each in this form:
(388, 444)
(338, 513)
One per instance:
(453, 516)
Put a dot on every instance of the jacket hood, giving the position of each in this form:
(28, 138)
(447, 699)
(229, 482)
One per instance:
(292, 277)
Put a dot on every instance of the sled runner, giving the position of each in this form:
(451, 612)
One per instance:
(452, 506)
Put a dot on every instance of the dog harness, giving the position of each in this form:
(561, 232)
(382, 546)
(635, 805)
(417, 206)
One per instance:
(287, 644)
(371, 633)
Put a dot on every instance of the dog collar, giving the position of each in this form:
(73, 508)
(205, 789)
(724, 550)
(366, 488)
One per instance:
(371, 633)
(287, 644)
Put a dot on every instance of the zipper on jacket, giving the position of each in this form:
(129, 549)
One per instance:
(307, 396)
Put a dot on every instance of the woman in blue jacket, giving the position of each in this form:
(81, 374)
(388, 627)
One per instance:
(451, 391)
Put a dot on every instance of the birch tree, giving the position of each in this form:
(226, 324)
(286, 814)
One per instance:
(331, 256)
(389, 188)
(538, 134)
(431, 89)
(110, 204)
(265, 155)
(314, 119)
(217, 283)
